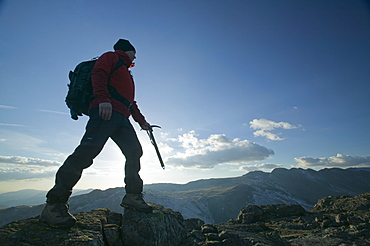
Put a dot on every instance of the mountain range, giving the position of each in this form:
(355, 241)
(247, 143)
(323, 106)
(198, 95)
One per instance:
(28, 197)
(219, 200)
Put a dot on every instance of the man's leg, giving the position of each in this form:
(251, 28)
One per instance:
(97, 133)
(125, 137)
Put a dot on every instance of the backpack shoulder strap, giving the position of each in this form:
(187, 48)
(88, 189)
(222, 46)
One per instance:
(113, 91)
(120, 63)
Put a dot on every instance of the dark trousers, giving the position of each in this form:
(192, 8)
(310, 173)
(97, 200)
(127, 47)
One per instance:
(98, 131)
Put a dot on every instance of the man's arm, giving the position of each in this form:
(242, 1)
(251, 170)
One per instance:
(138, 117)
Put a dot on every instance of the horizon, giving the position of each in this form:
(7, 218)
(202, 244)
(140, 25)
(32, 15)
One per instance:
(236, 86)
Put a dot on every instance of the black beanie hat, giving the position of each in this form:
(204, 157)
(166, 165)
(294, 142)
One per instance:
(124, 45)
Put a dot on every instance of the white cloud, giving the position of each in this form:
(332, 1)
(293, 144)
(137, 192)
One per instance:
(215, 150)
(263, 166)
(7, 107)
(342, 161)
(164, 148)
(16, 125)
(52, 111)
(25, 173)
(269, 125)
(20, 168)
(268, 135)
(20, 160)
(264, 127)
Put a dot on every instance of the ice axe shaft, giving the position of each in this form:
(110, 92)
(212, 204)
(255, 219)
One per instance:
(152, 139)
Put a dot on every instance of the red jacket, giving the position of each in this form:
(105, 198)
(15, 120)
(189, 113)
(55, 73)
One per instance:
(120, 79)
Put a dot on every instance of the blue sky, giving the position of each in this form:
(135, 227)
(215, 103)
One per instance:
(236, 85)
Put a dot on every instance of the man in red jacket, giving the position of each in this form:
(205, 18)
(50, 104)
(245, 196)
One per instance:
(108, 119)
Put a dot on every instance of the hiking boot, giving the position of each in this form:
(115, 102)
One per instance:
(57, 215)
(136, 202)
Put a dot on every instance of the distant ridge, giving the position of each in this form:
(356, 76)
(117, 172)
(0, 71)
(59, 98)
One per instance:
(28, 197)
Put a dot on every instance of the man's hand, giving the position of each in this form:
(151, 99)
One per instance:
(146, 126)
(105, 110)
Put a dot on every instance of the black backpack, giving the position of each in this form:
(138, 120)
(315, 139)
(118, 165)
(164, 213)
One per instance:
(80, 91)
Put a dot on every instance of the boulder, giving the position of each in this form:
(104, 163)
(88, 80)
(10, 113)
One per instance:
(90, 229)
(254, 213)
(161, 227)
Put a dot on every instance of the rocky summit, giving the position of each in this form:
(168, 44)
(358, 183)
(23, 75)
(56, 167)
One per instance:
(341, 220)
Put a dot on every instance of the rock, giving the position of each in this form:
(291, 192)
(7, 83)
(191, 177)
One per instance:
(227, 235)
(250, 214)
(254, 213)
(343, 204)
(89, 230)
(214, 243)
(208, 228)
(212, 237)
(235, 242)
(193, 224)
(341, 219)
(197, 235)
(112, 233)
(161, 227)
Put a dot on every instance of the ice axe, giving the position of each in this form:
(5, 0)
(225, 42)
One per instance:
(152, 139)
